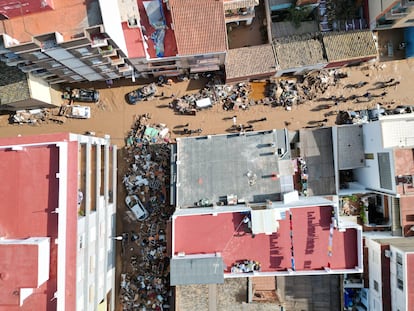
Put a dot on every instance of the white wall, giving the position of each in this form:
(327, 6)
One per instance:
(369, 175)
(398, 296)
(111, 17)
(374, 259)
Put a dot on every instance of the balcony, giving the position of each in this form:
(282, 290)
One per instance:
(117, 60)
(29, 68)
(107, 51)
(98, 40)
(124, 68)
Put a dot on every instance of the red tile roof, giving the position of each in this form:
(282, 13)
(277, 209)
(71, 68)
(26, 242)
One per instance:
(29, 194)
(199, 26)
(203, 234)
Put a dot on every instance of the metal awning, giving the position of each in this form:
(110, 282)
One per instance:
(234, 5)
(203, 270)
(265, 221)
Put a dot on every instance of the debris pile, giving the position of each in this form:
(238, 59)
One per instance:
(145, 281)
(229, 96)
(279, 92)
(282, 93)
(35, 117)
(316, 82)
(145, 132)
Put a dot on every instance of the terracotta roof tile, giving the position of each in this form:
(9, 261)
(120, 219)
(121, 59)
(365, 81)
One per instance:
(199, 26)
(299, 51)
(250, 61)
(349, 45)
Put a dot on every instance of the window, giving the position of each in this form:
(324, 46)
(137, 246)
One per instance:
(369, 156)
(376, 286)
(81, 241)
(84, 51)
(39, 55)
(400, 273)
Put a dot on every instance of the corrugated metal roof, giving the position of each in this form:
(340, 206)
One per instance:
(186, 271)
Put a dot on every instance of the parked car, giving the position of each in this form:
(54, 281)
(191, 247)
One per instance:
(403, 109)
(79, 112)
(143, 93)
(136, 206)
(81, 95)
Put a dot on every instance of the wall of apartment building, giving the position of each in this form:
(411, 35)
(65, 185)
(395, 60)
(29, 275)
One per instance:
(95, 275)
(93, 247)
(375, 279)
(369, 175)
(398, 279)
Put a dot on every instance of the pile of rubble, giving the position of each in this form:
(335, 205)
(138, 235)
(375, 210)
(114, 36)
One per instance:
(229, 96)
(145, 283)
(279, 92)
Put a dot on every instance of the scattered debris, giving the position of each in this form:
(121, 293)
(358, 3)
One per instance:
(145, 281)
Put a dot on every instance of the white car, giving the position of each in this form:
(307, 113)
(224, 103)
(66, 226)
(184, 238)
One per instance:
(79, 112)
(136, 206)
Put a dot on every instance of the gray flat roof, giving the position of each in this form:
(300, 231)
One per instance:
(350, 147)
(213, 167)
(185, 271)
(316, 149)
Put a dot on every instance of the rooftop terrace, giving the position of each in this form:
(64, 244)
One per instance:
(225, 233)
(255, 167)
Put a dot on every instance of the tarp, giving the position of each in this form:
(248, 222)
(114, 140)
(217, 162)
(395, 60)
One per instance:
(157, 21)
(154, 13)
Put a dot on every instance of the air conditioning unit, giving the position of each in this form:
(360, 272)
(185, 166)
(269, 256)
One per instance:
(388, 253)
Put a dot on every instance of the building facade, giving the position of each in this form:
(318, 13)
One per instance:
(57, 214)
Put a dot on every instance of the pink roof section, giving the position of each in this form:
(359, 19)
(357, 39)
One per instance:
(134, 41)
(67, 17)
(29, 193)
(13, 8)
(206, 234)
(27, 273)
